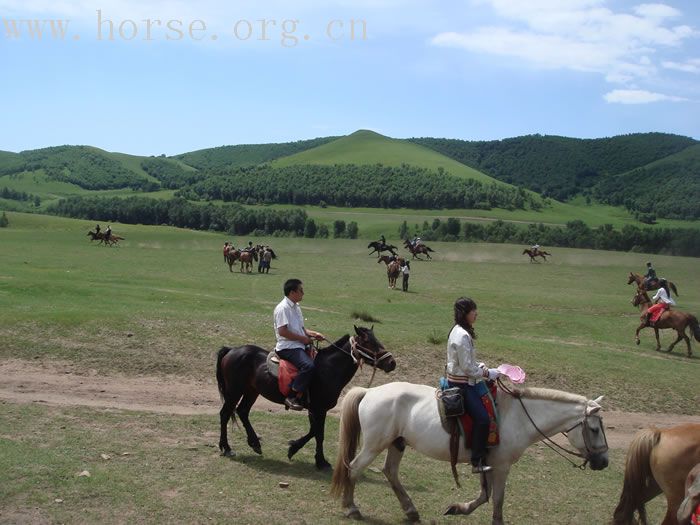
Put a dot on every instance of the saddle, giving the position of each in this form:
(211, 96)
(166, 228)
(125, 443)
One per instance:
(461, 424)
(284, 371)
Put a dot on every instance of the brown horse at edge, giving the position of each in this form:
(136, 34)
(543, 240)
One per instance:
(639, 279)
(674, 319)
(657, 461)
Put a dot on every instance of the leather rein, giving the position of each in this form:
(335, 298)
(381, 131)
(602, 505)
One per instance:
(552, 444)
(368, 355)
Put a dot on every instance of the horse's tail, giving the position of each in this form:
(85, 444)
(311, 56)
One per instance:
(429, 249)
(639, 485)
(693, 321)
(219, 371)
(673, 287)
(348, 439)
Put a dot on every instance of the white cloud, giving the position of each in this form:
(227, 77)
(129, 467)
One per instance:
(689, 66)
(638, 96)
(581, 35)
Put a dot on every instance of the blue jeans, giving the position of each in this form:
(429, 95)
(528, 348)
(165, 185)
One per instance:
(471, 396)
(299, 358)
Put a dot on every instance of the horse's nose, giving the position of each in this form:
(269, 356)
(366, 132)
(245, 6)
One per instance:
(599, 461)
(391, 366)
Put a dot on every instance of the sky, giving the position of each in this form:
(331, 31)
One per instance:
(155, 77)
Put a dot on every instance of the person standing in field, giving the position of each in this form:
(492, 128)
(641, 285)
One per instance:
(405, 271)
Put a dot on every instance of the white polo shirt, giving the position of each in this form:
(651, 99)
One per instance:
(288, 313)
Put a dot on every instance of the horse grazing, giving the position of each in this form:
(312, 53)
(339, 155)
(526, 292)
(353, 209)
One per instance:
(396, 415)
(242, 375)
(538, 253)
(416, 250)
(379, 247)
(657, 461)
(674, 319)
(653, 285)
(392, 273)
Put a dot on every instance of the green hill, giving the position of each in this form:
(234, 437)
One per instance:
(367, 147)
(668, 187)
(560, 167)
(246, 154)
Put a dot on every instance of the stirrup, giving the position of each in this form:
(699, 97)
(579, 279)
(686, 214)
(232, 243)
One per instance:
(481, 468)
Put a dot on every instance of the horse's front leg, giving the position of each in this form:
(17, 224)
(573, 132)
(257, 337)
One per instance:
(318, 427)
(468, 508)
(636, 334)
(295, 445)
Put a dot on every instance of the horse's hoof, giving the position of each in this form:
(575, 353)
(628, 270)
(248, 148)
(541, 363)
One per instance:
(257, 449)
(637, 341)
(323, 465)
(354, 514)
(413, 516)
(228, 454)
(452, 510)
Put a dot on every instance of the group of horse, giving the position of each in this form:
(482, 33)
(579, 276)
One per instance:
(394, 263)
(247, 256)
(670, 319)
(100, 236)
(396, 415)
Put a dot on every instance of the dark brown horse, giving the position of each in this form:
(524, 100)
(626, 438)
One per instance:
(657, 461)
(653, 285)
(538, 253)
(242, 375)
(379, 247)
(100, 236)
(417, 250)
(674, 319)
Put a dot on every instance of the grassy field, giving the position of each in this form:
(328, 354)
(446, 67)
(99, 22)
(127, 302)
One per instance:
(162, 303)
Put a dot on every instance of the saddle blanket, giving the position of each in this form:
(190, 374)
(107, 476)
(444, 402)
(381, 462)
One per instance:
(466, 424)
(284, 370)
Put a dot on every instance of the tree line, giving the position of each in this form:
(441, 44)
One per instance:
(231, 218)
(14, 195)
(575, 234)
(350, 185)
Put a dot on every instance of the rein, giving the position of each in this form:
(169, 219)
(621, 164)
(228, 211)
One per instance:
(551, 443)
(355, 348)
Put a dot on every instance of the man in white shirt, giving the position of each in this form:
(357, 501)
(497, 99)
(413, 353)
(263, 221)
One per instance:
(292, 338)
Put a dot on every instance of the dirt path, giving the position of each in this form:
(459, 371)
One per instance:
(59, 385)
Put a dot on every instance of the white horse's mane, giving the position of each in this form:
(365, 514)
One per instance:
(549, 394)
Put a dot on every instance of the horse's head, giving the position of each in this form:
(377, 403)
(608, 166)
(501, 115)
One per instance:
(640, 297)
(373, 244)
(526, 251)
(371, 350)
(588, 436)
(631, 278)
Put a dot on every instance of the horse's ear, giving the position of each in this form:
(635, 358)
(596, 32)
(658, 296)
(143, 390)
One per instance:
(357, 330)
(371, 328)
(594, 406)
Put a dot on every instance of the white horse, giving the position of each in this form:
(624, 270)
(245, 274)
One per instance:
(394, 415)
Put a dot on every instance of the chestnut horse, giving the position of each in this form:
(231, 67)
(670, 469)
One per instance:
(242, 375)
(416, 250)
(657, 461)
(654, 285)
(674, 319)
(386, 260)
(392, 273)
(538, 253)
(245, 257)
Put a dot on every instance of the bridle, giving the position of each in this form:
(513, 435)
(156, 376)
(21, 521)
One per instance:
(369, 356)
(585, 432)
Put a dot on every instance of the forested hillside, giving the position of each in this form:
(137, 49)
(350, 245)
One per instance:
(559, 167)
(247, 154)
(358, 186)
(667, 188)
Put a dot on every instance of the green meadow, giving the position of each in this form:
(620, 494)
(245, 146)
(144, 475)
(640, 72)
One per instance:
(162, 303)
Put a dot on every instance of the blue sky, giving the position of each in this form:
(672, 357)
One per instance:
(213, 74)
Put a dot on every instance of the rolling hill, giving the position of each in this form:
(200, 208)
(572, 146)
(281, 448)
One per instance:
(367, 147)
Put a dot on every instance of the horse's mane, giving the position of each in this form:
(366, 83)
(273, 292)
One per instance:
(341, 342)
(548, 394)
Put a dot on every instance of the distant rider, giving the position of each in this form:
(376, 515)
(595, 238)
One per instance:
(649, 277)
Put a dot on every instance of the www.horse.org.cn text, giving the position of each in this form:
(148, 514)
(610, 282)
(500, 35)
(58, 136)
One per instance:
(287, 32)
